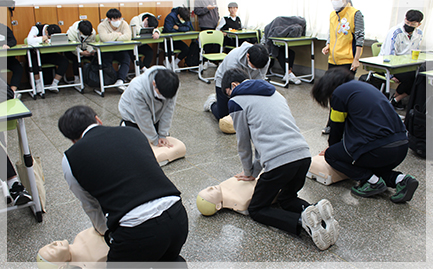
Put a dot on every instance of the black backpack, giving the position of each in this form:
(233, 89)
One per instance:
(193, 57)
(91, 73)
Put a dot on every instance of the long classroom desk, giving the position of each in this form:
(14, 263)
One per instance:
(112, 46)
(45, 48)
(294, 42)
(20, 50)
(241, 34)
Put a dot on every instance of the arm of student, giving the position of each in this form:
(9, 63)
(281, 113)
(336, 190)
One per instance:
(89, 203)
(105, 36)
(32, 38)
(126, 32)
(221, 24)
(11, 38)
(185, 27)
(144, 117)
(200, 8)
(169, 23)
(166, 118)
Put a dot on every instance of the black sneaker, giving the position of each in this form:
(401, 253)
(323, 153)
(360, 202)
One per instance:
(19, 194)
(369, 189)
(405, 189)
(397, 105)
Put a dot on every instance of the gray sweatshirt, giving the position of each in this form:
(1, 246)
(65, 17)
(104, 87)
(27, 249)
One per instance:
(237, 58)
(206, 18)
(139, 105)
(261, 116)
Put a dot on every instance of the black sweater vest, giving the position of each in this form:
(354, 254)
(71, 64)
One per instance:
(232, 24)
(116, 165)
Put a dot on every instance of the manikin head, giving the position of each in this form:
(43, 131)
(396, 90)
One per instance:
(210, 200)
(56, 252)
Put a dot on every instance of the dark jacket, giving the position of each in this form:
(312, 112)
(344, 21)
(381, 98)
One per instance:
(171, 20)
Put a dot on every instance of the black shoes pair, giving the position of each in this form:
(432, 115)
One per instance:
(19, 194)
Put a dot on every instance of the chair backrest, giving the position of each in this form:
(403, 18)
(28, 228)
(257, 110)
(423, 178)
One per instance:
(97, 38)
(375, 48)
(211, 37)
(25, 40)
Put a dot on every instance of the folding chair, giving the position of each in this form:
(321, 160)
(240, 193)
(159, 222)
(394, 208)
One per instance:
(210, 37)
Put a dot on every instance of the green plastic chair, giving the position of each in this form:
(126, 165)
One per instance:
(205, 38)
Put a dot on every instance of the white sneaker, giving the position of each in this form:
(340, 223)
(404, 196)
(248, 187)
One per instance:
(167, 64)
(294, 79)
(312, 223)
(53, 88)
(120, 87)
(331, 225)
(205, 65)
(210, 64)
(143, 69)
(77, 81)
(38, 87)
(210, 100)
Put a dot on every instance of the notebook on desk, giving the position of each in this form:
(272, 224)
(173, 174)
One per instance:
(57, 39)
(146, 32)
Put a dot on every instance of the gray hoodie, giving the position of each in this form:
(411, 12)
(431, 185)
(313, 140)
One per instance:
(237, 58)
(261, 116)
(139, 105)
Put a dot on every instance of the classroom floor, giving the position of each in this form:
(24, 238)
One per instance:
(373, 230)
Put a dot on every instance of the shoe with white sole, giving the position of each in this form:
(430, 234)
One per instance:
(120, 87)
(312, 224)
(210, 100)
(294, 79)
(331, 225)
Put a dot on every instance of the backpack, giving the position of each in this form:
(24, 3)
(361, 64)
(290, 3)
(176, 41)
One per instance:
(193, 57)
(91, 73)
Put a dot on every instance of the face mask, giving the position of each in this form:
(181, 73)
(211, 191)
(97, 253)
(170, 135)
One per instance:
(408, 29)
(116, 24)
(338, 5)
(249, 65)
(157, 95)
(181, 21)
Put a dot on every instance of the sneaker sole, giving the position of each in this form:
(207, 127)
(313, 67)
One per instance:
(312, 220)
(332, 227)
(412, 185)
(377, 191)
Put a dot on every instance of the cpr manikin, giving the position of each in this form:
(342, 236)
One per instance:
(89, 250)
(165, 155)
(232, 194)
(321, 171)
(226, 125)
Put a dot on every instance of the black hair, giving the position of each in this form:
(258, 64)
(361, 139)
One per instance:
(53, 29)
(414, 15)
(167, 83)
(334, 77)
(114, 13)
(232, 75)
(184, 13)
(85, 27)
(151, 20)
(259, 55)
(75, 120)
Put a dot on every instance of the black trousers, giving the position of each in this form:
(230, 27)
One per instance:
(9, 166)
(380, 162)
(158, 239)
(178, 45)
(74, 60)
(17, 71)
(122, 57)
(282, 58)
(145, 50)
(51, 58)
(289, 178)
(220, 109)
(406, 82)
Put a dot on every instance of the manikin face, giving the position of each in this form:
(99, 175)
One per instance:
(233, 11)
(58, 251)
(213, 195)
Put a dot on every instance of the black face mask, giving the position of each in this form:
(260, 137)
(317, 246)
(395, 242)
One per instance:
(408, 29)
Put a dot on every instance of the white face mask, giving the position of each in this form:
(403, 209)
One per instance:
(181, 21)
(116, 24)
(157, 95)
(338, 5)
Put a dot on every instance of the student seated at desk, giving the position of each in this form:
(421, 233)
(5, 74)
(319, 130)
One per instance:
(284, 27)
(114, 28)
(41, 33)
(149, 103)
(232, 22)
(12, 63)
(177, 20)
(401, 40)
(83, 32)
(145, 20)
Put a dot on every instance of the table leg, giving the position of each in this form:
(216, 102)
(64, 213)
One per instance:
(101, 74)
(173, 64)
(137, 61)
(80, 70)
(312, 67)
(41, 75)
(32, 78)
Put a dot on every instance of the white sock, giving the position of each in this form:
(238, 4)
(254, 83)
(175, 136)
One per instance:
(55, 82)
(373, 180)
(399, 178)
(176, 61)
(12, 181)
(37, 81)
(76, 77)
